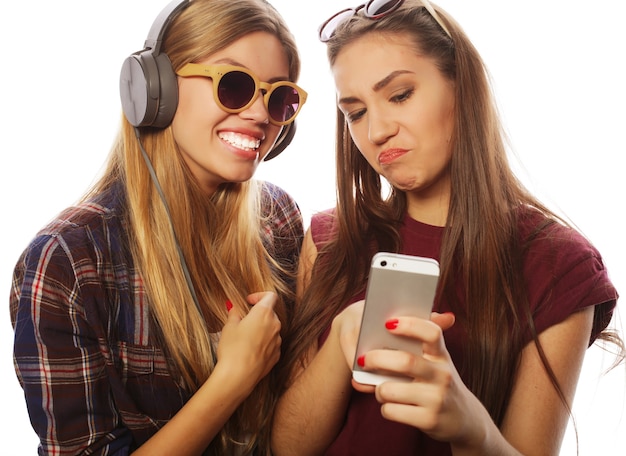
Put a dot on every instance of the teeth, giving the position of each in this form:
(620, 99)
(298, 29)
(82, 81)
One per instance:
(240, 141)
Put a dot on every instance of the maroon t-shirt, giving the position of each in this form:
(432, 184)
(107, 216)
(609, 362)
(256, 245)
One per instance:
(564, 273)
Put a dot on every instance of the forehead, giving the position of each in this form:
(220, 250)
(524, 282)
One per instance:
(261, 52)
(374, 55)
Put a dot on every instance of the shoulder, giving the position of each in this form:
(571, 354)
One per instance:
(323, 226)
(277, 203)
(83, 234)
(564, 272)
(282, 219)
(92, 222)
(553, 244)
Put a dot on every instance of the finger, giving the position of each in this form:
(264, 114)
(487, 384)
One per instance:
(233, 313)
(443, 320)
(362, 388)
(263, 299)
(421, 394)
(420, 417)
(418, 328)
(233, 316)
(400, 363)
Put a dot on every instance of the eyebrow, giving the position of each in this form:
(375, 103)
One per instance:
(378, 86)
(229, 61)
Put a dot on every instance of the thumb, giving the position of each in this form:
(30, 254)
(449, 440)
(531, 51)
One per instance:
(443, 320)
(263, 299)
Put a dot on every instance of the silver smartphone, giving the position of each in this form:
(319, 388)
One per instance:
(398, 285)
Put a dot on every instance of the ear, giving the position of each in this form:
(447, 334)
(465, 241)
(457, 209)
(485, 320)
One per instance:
(284, 139)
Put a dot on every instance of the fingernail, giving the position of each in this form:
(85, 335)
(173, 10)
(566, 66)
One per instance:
(229, 305)
(361, 360)
(391, 324)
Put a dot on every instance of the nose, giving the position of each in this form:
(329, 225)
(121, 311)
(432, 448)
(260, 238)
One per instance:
(257, 110)
(380, 126)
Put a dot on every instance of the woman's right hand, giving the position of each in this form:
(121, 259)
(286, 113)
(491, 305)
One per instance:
(250, 346)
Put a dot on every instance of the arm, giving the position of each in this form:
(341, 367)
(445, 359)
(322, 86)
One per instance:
(248, 349)
(311, 411)
(65, 367)
(536, 420)
(439, 403)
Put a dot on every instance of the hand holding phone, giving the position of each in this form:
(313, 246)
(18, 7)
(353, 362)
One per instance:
(398, 285)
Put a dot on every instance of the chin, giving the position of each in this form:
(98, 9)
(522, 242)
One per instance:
(240, 177)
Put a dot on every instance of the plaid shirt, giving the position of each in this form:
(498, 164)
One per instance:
(94, 376)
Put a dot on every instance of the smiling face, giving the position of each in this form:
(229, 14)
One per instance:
(399, 110)
(217, 146)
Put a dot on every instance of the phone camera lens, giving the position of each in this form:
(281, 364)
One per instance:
(383, 263)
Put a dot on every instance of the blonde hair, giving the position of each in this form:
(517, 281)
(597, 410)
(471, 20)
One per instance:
(217, 235)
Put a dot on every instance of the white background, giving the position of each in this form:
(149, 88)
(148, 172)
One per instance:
(559, 75)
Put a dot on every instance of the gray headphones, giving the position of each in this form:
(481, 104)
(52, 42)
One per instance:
(149, 87)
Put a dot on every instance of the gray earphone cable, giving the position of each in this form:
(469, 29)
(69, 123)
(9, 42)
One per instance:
(183, 263)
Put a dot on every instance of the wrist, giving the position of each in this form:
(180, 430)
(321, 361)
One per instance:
(484, 439)
(232, 379)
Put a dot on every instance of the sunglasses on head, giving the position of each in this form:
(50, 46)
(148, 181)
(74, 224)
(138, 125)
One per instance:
(373, 9)
(235, 90)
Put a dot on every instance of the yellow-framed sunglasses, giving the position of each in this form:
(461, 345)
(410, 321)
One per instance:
(235, 89)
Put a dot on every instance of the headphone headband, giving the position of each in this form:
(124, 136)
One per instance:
(161, 23)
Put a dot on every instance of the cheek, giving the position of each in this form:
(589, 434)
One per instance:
(359, 135)
(196, 103)
(271, 135)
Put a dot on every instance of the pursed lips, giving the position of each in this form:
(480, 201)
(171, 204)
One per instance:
(389, 155)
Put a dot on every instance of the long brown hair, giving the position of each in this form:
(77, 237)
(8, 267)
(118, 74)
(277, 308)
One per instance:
(216, 234)
(480, 246)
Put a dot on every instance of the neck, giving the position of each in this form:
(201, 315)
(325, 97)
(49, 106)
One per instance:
(430, 210)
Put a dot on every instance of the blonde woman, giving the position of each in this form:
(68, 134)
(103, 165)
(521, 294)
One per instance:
(148, 317)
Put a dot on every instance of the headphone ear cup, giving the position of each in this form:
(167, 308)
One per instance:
(168, 92)
(148, 90)
(284, 139)
(134, 90)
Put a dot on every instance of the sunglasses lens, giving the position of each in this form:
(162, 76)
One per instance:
(328, 28)
(377, 8)
(236, 89)
(283, 103)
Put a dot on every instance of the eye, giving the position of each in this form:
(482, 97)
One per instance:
(353, 116)
(402, 96)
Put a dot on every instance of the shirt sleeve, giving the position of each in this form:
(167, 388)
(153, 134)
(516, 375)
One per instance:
(57, 355)
(285, 227)
(322, 227)
(567, 275)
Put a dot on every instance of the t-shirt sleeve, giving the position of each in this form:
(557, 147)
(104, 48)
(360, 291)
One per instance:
(322, 226)
(284, 229)
(566, 274)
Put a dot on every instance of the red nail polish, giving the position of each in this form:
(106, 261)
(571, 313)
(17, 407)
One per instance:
(361, 360)
(229, 305)
(391, 324)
